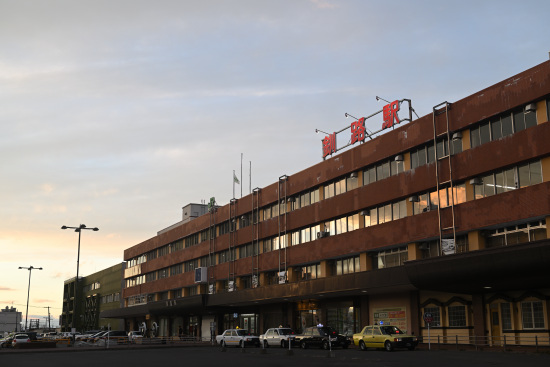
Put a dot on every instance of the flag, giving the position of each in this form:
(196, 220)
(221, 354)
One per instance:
(235, 179)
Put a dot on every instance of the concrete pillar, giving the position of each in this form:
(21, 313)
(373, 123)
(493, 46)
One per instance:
(541, 112)
(292, 275)
(365, 261)
(478, 307)
(475, 241)
(545, 163)
(325, 269)
(469, 191)
(414, 251)
(466, 140)
(364, 318)
(407, 161)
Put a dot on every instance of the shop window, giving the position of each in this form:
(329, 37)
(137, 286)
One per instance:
(457, 316)
(532, 315)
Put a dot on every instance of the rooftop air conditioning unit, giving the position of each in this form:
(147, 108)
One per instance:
(201, 275)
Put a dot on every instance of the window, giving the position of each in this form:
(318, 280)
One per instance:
(310, 271)
(457, 316)
(346, 266)
(391, 258)
(506, 316)
(162, 273)
(532, 315)
(176, 269)
(164, 250)
(520, 233)
(329, 190)
(436, 314)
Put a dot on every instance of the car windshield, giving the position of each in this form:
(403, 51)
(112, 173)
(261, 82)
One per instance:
(241, 332)
(389, 330)
(286, 332)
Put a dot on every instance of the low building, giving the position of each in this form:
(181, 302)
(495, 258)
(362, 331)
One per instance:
(97, 292)
(10, 320)
(444, 216)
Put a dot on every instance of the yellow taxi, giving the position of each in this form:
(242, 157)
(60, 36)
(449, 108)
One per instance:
(384, 336)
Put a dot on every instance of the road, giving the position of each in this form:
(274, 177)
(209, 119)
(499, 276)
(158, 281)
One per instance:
(276, 357)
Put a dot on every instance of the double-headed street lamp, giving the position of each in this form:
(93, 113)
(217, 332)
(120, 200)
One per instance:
(79, 230)
(30, 268)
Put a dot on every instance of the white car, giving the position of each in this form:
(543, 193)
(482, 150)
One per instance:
(238, 338)
(278, 337)
(134, 335)
(20, 339)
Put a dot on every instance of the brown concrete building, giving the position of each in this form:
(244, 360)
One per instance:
(385, 231)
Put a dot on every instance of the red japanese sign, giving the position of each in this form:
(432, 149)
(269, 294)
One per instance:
(329, 144)
(390, 114)
(358, 130)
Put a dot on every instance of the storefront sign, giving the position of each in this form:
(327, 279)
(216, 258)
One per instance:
(396, 316)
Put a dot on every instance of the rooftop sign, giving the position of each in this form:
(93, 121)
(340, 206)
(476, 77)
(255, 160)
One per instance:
(359, 131)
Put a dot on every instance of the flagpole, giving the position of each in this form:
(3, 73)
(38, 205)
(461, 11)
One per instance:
(241, 175)
(233, 179)
(250, 176)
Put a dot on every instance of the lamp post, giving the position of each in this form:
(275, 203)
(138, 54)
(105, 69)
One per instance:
(30, 268)
(79, 230)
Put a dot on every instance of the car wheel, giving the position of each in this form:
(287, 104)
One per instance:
(345, 346)
(325, 345)
(266, 344)
(388, 346)
(362, 346)
(303, 344)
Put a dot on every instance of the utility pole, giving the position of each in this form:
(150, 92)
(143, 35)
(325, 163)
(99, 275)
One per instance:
(49, 324)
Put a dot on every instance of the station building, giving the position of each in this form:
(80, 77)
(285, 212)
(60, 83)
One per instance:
(445, 215)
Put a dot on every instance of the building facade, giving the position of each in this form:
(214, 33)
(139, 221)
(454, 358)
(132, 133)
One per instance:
(10, 320)
(445, 215)
(100, 291)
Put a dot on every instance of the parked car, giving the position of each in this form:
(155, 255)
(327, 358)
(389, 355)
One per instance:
(113, 337)
(135, 335)
(321, 336)
(384, 336)
(8, 340)
(238, 338)
(90, 338)
(19, 339)
(278, 337)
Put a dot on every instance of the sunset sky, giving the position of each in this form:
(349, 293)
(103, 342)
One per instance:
(118, 113)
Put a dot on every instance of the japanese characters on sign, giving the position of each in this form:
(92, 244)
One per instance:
(358, 128)
(329, 144)
(390, 114)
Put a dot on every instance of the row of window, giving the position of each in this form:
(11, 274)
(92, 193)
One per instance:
(509, 179)
(91, 287)
(495, 128)
(531, 315)
(115, 297)
(502, 125)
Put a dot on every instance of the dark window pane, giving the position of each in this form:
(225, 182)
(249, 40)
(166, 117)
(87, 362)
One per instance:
(474, 137)
(519, 121)
(414, 159)
(431, 154)
(456, 146)
(499, 182)
(510, 179)
(379, 172)
(506, 125)
(530, 119)
(386, 169)
(536, 172)
(421, 156)
(496, 129)
(484, 134)
(488, 185)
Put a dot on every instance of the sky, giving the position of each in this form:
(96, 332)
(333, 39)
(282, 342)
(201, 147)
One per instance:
(117, 113)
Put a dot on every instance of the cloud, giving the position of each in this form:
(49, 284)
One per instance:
(6, 289)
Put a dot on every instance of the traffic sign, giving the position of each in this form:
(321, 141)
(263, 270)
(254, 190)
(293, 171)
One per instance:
(428, 318)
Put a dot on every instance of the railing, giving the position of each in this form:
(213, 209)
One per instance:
(505, 342)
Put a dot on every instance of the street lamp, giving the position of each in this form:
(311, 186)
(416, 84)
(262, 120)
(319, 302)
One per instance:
(30, 268)
(79, 230)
